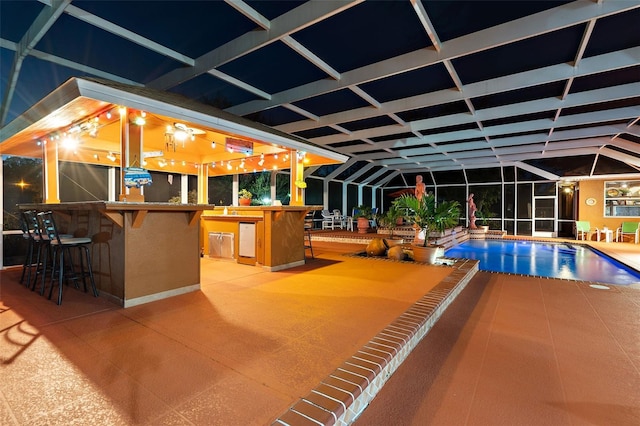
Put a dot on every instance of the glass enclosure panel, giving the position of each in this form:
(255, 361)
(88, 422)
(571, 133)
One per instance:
(165, 187)
(524, 227)
(524, 201)
(21, 184)
(83, 182)
(544, 225)
(453, 193)
(449, 177)
(545, 208)
(487, 175)
(488, 200)
(14, 248)
(509, 226)
(220, 190)
(335, 196)
(566, 229)
(509, 174)
(283, 190)
(313, 193)
(509, 201)
(192, 188)
(525, 175)
(544, 188)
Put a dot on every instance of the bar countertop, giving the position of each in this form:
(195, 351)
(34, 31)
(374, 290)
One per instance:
(118, 206)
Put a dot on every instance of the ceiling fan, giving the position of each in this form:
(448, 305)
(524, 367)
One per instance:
(179, 132)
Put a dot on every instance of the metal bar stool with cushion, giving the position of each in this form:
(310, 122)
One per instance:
(308, 226)
(61, 257)
(40, 249)
(33, 246)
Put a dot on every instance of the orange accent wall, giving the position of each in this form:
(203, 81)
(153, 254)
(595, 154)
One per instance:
(595, 214)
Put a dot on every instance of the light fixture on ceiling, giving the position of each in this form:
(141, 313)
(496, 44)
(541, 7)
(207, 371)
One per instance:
(179, 132)
(69, 142)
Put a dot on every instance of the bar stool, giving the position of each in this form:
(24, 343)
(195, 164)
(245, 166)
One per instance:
(32, 246)
(40, 247)
(61, 254)
(308, 225)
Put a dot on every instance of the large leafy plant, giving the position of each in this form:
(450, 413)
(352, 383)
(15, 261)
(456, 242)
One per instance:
(428, 215)
(390, 218)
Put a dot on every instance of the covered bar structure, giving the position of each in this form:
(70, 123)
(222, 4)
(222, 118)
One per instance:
(133, 131)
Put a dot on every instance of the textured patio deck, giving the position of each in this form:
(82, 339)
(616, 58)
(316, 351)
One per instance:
(252, 345)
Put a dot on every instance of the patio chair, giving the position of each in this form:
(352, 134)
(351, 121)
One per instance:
(373, 222)
(338, 219)
(327, 219)
(628, 228)
(583, 228)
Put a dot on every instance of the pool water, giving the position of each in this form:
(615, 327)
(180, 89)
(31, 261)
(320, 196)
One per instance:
(553, 260)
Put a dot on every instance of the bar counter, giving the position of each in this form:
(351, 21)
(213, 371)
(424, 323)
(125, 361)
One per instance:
(269, 236)
(141, 251)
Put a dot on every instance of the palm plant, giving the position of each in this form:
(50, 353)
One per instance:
(390, 218)
(428, 215)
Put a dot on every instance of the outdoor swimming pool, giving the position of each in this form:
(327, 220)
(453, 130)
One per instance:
(553, 260)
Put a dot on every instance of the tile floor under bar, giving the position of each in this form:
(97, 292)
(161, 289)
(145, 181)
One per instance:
(250, 344)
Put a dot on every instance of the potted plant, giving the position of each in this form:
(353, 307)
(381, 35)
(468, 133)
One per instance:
(391, 219)
(363, 215)
(427, 216)
(244, 197)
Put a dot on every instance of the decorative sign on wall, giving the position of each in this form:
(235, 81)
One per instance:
(239, 145)
(135, 177)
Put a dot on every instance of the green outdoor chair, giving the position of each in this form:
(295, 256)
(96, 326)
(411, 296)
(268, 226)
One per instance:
(628, 228)
(583, 227)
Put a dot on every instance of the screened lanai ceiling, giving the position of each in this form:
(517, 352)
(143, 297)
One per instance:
(400, 87)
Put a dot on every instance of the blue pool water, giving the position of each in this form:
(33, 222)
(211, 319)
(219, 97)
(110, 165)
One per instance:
(554, 260)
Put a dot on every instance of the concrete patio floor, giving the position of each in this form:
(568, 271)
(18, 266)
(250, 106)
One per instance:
(250, 344)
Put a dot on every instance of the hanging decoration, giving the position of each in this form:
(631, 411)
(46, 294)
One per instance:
(135, 177)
